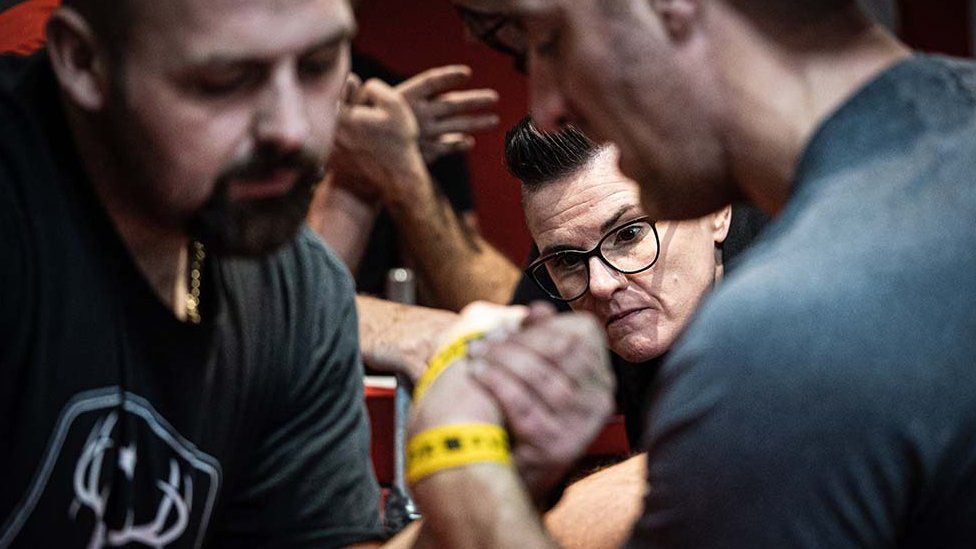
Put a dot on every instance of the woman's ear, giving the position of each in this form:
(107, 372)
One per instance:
(79, 61)
(719, 223)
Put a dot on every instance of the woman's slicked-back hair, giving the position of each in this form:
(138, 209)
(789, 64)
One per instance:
(536, 157)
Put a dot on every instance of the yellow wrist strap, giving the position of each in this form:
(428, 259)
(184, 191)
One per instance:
(444, 358)
(451, 446)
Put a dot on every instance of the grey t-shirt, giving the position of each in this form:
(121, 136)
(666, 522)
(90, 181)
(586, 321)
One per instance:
(120, 425)
(825, 396)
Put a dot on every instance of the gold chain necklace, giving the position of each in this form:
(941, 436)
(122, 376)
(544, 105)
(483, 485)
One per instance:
(197, 255)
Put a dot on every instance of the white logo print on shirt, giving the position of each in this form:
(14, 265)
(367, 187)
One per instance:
(174, 508)
(118, 474)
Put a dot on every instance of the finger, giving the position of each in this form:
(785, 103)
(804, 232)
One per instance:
(361, 94)
(542, 381)
(351, 87)
(434, 81)
(378, 93)
(391, 364)
(482, 316)
(539, 311)
(527, 416)
(574, 344)
(459, 102)
(461, 124)
(356, 116)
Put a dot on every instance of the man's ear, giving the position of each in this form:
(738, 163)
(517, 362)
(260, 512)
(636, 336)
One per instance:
(718, 224)
(78, 59)
(679, 16)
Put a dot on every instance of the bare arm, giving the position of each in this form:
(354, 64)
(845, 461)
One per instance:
(378, 142)
(399, 338)
(486, 504)
(454, 260)
(480, 506)
(600, 510)
(457, 263)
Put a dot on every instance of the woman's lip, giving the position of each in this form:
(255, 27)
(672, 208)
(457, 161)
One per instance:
(625, 314)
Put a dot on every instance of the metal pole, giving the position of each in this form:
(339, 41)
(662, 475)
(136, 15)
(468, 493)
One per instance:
(400, 510)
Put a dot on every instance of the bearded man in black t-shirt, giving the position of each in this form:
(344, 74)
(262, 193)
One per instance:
(178, 354)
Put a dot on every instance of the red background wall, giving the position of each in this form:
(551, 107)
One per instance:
(412, 35)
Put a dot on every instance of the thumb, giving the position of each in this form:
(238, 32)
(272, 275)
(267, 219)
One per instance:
(380, 94)
(351, 88)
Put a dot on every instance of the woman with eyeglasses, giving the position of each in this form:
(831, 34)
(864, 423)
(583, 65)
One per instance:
(642, 278)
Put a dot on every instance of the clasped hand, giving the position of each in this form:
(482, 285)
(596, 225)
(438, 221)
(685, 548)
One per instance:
(546, 377)
(385, 132)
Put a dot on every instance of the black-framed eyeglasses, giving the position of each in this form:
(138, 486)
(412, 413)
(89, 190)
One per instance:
(629, 249)
(497, 31)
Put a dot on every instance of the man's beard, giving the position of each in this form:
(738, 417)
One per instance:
(245, 228)
(257, 227)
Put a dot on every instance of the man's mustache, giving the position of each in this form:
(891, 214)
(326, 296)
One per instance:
(265, 162)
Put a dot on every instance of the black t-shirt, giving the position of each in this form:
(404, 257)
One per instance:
(120, 424)
(450, 175)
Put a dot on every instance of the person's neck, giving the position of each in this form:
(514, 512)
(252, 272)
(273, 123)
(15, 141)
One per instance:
(788, 88)
(159, 250)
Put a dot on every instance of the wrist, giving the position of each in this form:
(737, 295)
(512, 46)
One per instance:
(454, 446)
(452, 398)
(409, 184)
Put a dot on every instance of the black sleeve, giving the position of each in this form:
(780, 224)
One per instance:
(754, 450)
(313, 477)
(450, 174)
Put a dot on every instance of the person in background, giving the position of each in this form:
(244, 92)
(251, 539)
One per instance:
(641, 278)
(572, 188)
(385, 140)
(672, 285)
(387, 215)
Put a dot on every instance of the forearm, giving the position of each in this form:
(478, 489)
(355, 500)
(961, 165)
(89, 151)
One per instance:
(399, 337)
(458, 264)
(343, 220)
(600, 510)
(480, 505)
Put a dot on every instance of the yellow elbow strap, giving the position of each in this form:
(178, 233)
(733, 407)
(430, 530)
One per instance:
(443, 359)
(451, 446)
